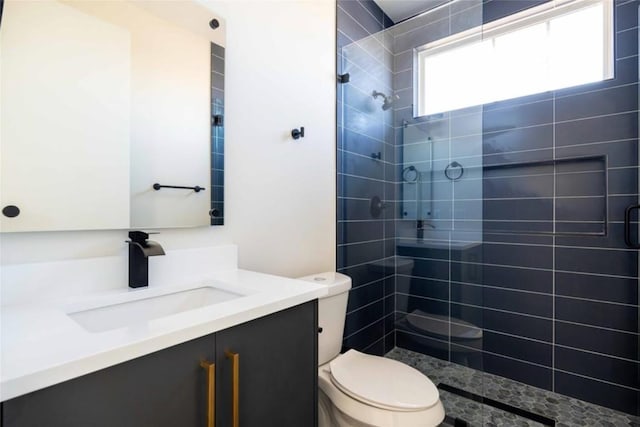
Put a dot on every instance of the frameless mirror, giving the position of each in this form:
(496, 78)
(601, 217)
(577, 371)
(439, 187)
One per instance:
(111, 115)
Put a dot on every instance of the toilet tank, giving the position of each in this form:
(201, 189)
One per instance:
(332, 310)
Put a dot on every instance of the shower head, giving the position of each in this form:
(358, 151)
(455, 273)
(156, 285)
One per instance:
(388, 100)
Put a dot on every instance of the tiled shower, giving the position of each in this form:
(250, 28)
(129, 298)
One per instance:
(490, 237)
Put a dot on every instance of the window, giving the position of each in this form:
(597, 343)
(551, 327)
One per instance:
(558, 44)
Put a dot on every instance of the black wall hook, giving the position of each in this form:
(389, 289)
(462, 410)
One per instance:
(297, 133)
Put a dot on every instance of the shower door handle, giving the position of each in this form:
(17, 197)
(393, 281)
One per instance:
(627, 227)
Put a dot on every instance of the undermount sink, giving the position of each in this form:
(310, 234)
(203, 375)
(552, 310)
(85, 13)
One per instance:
(117, 315)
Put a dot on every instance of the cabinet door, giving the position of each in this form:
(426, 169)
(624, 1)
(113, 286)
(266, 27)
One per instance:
(166, 388)
(278, 370)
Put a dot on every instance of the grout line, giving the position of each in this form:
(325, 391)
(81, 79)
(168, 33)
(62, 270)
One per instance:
(553, 253)
(367, 305)
(484, 307)
(346, 337)
(596, 379)
(364, 350)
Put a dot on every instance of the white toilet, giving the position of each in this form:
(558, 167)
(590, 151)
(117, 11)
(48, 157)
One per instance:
(360, 390)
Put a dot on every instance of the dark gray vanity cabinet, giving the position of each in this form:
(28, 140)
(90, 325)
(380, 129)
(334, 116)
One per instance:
(276, 383)
(276, 372)
(165, 388)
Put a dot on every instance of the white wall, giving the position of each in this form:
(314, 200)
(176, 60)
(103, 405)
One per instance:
(280, 194)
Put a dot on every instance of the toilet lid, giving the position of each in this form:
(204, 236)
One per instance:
(383, 383)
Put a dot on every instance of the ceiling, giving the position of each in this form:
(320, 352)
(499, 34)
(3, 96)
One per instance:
(399, 10)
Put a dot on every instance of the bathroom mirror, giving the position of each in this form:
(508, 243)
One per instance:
(107, 109)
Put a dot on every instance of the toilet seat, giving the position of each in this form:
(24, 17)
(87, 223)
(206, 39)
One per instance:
(382, 383)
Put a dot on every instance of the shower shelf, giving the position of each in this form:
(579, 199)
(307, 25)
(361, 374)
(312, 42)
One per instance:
(569, 218)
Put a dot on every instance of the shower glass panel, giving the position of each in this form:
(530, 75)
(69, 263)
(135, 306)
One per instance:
(366, 175)
(439, 227)
(489, 246)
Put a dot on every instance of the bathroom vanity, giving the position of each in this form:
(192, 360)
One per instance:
(205, 342)
(276, 361)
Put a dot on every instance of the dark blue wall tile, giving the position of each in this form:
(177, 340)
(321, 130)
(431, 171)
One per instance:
(359, 187)
(537, 376)
(520, 325)
(354, 164)
(619, 317)
(376, 349)
(389, 342)
(359, 253)
(362, 318)
(581, 209)
(516, 116)
(517, 139)
(362, 15)
(431, 269)
(467, 355)
(626, 72)
(390, 286)
(507, 277)
(441, 252)
(619, 154)
(597, 129)
(350, 209)
(517, 255)
(469, 314)
(609, 369)
(581, 184)
(349, 27)
(428, 288)
(627, 43)
(626, 16)
(421, 344)
(501, 159)
(514, 102)
(362, 122)
(603, 288)
(375, 10)
(618, 204)
(522, 239)
(359, 143)
(365, 337)
(518, 210)
(601, 261)
(361, 231)
(623, 181)
(363, 295)
(620, 398)
(389, 308)
(598, 103)
(496, 9)
(518, 348)
(502, 299)
(517, 186)
(362, 274)
(341, 40)
(599, 340)
(428, 306)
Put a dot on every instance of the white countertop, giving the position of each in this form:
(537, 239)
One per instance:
(43, 346)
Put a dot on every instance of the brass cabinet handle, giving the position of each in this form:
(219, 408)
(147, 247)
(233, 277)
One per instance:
(210, 368)
(235, 378)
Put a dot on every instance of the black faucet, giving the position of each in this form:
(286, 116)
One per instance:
(140, 249)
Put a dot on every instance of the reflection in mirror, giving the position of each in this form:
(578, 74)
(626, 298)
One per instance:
(100, 101)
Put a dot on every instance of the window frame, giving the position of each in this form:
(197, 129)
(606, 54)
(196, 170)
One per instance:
(520, 20)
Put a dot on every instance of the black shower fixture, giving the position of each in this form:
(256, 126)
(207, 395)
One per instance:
(214, 23)
(388, 100)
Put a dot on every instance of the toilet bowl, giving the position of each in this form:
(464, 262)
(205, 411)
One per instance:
(361, 390)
